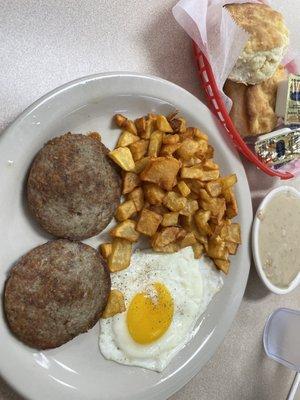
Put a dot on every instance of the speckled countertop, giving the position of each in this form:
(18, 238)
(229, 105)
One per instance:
(47, 43)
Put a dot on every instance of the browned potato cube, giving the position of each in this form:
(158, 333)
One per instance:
(210, 175)
(217, 248)
(191, 162)
(130, 181)
(188, 240)
(202, 148)
(183, 188)
(123, 157)
(163, 124)
(159, 209)
(141, 164)
(187, 222)
(198, 250)
(137, 196)
(223, 265)
(178, 125)
(120, 254)
(170, 139)
(195, 185)
(161, 170)
(201, 219)
(187, 149)
(217, 207)
(210, 165)
(174, 201)
(140, 124)
(192, 172)
(125, 210)
(119, 120)
(210, 152)
(129, 126)
(153, 193)
(172, 115)
(198, 134)
(155, 143)
(190, 207)
(232, 247)
(105, 249)
(149, 128)
(169, 149)
(148, 222)
(115, 304)
(170, 219)
(126, 138)
(214, 188)
(126, 230)
(228, 181)
(139, 149)
(169, 248)
(231, 204)
(204, 195)
(234, 233)
(166, 236)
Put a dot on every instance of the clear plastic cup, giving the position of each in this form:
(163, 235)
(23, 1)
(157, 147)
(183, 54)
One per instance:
(281, 340)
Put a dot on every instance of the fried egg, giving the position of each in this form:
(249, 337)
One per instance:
(165, 294)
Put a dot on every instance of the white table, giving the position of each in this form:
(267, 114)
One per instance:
(46, 43)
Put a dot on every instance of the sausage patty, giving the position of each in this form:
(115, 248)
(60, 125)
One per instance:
(55, 292)
(73, 188)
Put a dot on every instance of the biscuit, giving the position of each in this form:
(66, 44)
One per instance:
(269, 38)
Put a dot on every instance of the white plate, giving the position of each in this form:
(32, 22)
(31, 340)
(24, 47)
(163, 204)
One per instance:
(76, 370)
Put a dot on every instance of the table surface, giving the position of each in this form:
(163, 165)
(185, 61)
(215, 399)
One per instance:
(47, 43)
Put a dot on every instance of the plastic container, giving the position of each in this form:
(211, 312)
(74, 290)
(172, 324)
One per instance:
(217, 106)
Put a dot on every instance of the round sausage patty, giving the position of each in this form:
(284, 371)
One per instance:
(73, 188)
(55, 292)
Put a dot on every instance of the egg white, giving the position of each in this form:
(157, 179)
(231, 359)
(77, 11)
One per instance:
(192, 285)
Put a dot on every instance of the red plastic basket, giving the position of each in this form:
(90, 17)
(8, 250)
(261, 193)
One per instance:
(217, 106)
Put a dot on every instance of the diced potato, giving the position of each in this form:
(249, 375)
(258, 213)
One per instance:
(192, 172)
(169, 149)
(105, 249)
(178, 125)
(214, 188)
(204, 195)
(228, 181)
(120, 254)
(129, 126)
(234, 233)
(137, 196)
(139, 149)
(223, 265)
(195, 185)
(198, 134)
(170, 219)
(169, 248)
(210, 152)
(130, 181)
(210, 165)
(149, 128)
(125, 210)
(115, 304)
(174, 201)
(161, 170)
(126, 138)
(191, 162)
(172, 115)
(231, 204)
(170, 139)
(155, 143)
(163, 124)
(187, 222)
(183, 188)
(140, 124)
(232, 247)
(141, 164)
(201, 219)
(119, 120)
(217, 248)
(148, 222)
(126, 230)
(123, 157)
(217, 207)
(166, 236)
(188, 149)
(153, 193)
(202, 148)
(190, 207)
(198, 250)
(210, 175)
(188, 240)
(159, 209)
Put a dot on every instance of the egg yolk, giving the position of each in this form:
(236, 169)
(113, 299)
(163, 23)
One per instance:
(149, 315)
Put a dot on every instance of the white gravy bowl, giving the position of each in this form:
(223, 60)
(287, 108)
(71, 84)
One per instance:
(255, 242)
